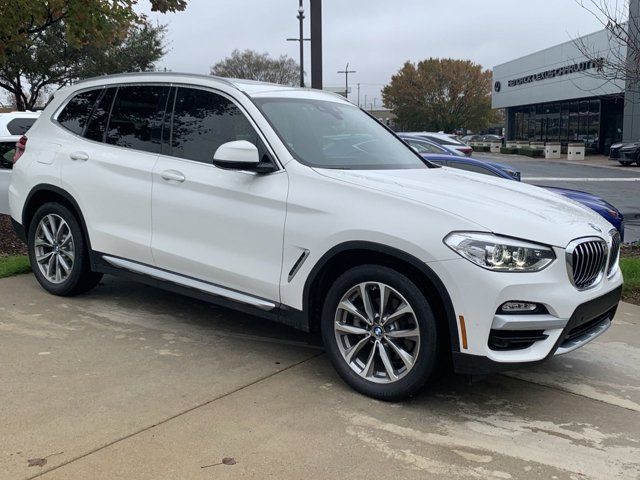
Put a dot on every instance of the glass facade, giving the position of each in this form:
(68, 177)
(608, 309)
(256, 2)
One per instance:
(587, 120)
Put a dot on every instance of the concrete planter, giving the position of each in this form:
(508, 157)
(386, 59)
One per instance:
(536, 145)
(575, 151)
(494, 147)
(511, 144)
(552, 150)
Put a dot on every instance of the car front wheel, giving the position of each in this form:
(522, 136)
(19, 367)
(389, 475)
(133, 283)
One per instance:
(380, 332)
(58, 253)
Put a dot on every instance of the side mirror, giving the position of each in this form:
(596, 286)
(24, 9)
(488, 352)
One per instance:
(239, 154)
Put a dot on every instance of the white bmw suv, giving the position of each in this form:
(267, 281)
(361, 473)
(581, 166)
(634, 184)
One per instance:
(296, 205)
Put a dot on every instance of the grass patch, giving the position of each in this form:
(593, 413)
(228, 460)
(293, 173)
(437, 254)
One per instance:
(14, 265)
(630, 267)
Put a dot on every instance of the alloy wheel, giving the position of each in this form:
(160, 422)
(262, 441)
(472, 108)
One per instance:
(54, 248)
(377, 332)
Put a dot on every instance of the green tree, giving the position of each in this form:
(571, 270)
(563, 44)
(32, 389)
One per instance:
(86, 22)
(50, 59)
(252, 65)
(440, 94)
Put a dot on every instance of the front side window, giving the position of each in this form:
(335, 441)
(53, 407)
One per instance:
(329, 134)
(203, 120)
(137, 117)
(19, 126)
(76, 113)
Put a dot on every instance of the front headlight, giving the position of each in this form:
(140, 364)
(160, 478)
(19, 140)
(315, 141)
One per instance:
(500, 254)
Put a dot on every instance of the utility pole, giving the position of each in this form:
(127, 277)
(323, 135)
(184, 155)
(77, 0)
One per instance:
(346, 72)
(358, 94)
(316, 44)
(301, 39)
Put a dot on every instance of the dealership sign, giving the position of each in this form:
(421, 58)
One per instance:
(557, 72)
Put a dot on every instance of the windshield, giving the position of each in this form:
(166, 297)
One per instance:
(328, 134)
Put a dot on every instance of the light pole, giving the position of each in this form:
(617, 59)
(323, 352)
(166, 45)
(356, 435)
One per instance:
(316, 44)
(301, 39)
(346, 72)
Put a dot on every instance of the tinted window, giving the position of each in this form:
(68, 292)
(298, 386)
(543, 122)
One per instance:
(75, 115)
(202, 121)
(473, 168)
(7, 149)
(98, 124)
(19, 126)
(136, 117)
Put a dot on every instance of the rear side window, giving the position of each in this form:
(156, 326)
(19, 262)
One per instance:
(202, 121)
(137, 117)
(19, 126)
(98, 124)
(76, 113)
(7, 149)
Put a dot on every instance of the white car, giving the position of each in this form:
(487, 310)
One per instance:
(447, 141)
(12, 126)
(295, 205)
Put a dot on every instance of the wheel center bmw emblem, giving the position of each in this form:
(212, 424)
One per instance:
(595, 227)
(377, 331)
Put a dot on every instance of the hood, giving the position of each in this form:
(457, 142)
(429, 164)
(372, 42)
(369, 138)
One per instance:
(498, 205)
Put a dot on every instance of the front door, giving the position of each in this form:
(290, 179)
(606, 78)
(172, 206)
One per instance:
(220, 226)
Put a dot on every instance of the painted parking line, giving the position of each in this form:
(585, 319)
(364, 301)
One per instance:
(580, 179)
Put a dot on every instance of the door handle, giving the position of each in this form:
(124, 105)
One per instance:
(80, 156)
(173, 176)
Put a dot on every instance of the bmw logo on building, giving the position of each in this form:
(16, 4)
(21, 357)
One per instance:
(497, 86)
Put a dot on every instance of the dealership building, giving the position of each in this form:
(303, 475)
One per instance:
(559, 95)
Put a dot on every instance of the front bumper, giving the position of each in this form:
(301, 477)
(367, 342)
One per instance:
(588, 321)
(491, 341)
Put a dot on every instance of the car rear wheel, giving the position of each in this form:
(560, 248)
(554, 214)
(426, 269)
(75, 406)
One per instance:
(58, 253)
(380, 332)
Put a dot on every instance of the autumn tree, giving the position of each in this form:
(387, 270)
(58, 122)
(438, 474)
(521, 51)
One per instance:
(252, 65)
(440, 94)
(86, 22)
(51, 60)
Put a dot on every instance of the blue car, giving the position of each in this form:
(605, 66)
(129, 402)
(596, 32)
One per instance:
(438, 155)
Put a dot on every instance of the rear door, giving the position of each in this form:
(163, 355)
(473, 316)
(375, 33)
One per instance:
(109, 170)
(217, 225)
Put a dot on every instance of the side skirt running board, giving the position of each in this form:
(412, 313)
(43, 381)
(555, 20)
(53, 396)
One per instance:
(189, 282)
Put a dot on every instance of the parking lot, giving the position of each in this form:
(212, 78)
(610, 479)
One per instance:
(619, 185)
(133, 382)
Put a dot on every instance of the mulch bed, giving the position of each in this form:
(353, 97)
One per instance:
(9, 243)
(630, 250)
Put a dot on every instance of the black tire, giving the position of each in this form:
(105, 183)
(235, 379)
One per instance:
(429, 343)
(625, 164)
(80, 279)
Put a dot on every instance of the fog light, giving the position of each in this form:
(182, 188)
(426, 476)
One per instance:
(520, 307)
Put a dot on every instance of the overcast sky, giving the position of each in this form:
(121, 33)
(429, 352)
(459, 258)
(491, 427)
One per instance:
(375, 36)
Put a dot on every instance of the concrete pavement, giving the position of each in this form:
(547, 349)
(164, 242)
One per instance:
(133, 382)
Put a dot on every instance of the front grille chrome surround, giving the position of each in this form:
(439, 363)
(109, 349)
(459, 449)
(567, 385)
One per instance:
(614, 253)
(587, 259)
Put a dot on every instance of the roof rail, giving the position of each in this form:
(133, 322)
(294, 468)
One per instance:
(133, 74)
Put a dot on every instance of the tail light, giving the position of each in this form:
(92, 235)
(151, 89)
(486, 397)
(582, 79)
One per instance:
(21, 145)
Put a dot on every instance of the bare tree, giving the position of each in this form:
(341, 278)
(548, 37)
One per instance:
(251, 65)
(620, 63)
